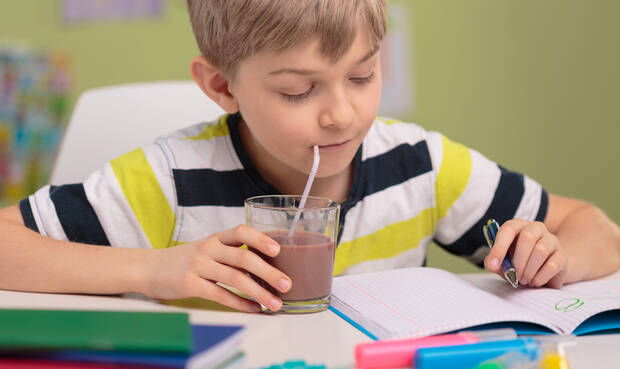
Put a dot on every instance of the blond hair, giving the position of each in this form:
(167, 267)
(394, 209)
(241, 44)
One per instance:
(229, 31)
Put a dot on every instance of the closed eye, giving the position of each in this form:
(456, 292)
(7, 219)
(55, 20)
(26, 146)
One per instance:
(302, 96)
(299, 97)
(364, 80)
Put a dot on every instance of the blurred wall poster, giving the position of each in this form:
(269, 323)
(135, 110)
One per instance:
(34, 99)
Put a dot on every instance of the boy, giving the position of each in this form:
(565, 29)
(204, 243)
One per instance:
(291, 74)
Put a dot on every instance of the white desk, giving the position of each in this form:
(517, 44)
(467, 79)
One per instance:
(319, 338)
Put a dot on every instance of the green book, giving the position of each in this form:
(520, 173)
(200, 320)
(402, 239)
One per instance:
(94, 330)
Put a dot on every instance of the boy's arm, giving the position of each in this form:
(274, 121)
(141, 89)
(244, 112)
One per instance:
(590, 238)
(31, 262)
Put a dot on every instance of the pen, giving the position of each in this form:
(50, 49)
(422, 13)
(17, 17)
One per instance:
(399, 353)
(510, 273)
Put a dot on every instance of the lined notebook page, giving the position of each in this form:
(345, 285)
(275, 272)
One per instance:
(564, 309)
(416, 302)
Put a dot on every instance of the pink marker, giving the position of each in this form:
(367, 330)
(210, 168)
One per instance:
(399, 353)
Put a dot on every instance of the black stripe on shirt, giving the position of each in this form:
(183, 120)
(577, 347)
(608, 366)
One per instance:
(391, 168)
(504, 205)
(77, 216)
(355, 191)
(26, 210)
(198, 187)
(395, 167)
(204, 187)
(257, 184)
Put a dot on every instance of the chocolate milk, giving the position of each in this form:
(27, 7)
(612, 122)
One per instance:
(308, 259)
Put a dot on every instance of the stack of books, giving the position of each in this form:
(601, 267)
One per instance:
(57, 339)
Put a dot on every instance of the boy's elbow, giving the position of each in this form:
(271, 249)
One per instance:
(611, 228)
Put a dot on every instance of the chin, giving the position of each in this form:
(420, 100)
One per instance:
(330, 171)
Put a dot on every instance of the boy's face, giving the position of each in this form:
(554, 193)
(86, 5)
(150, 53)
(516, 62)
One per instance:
(295, 99)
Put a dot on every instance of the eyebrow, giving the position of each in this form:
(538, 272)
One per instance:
(305, 72)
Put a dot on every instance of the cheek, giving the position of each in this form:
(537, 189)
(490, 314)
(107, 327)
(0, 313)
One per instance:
(268, 110)
(272, 123)
(370, 106)
(279, 124)
(280, 137)
(275, 131)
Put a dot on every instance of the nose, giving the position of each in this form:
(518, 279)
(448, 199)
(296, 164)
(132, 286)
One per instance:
(338, 111)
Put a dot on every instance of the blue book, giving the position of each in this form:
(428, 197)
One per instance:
(213, 345)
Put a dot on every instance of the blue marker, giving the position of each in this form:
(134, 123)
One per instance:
(510, 273)
(470, 355)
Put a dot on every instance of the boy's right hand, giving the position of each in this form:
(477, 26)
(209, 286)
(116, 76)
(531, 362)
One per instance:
(192, 270)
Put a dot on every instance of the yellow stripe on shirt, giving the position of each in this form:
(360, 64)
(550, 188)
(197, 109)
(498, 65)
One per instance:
(147, 200)
(213, 130)
(385, 243)
(453, 175)
(388, 242)
(388, 121)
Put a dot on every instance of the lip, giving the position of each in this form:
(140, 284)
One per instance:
(334, 147)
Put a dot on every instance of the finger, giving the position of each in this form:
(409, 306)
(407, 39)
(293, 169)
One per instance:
(555, 266)
(541, 252)
(505, 236)
(526, 240)
(558, 280)
(243, 234)
(211, 291)
(251, 262)
(242, 282)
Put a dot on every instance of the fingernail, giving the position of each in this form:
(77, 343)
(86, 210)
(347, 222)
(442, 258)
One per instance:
(284, 285)
(256, 308)
(523, 280)
(273, 248)
(494, 263)
(274, 304)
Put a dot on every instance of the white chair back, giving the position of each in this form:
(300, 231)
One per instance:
(108, 122)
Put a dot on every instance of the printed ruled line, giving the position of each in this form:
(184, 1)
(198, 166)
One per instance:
(383, 303)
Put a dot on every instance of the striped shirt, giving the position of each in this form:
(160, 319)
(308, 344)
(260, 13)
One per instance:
(410, 187)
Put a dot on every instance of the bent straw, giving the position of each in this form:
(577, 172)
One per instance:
(304, 195)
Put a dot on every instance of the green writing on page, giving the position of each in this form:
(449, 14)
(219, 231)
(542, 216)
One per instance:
(568, 305)
(573, 303)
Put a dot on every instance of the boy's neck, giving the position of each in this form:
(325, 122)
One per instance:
(291, 181)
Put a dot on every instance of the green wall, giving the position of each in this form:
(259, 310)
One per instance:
(531, 84)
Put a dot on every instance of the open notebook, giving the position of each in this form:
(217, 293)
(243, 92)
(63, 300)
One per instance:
(416, 302)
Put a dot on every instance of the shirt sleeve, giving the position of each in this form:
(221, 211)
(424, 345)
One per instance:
(130, 202)
(470, 189)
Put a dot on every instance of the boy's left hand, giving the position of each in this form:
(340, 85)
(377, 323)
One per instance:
(536, 254)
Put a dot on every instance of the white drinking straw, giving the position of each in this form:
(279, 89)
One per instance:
(304, 195)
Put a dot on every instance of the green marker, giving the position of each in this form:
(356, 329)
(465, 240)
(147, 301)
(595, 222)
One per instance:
(509, 360)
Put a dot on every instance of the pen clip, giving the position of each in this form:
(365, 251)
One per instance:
(487, 236)
(490, 231)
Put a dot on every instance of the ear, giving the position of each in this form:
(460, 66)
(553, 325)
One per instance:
(213, 83)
